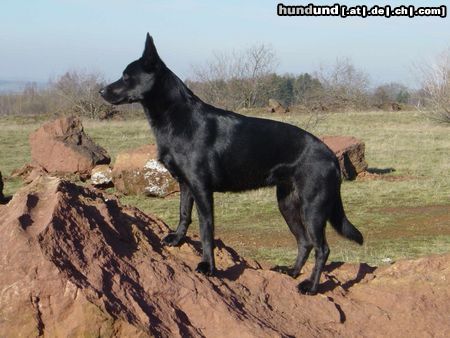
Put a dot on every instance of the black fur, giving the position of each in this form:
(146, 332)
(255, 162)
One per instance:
(208, 149)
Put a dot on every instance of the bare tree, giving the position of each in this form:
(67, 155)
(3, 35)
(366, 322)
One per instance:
(75, 92)
(234, 80)
(79, 95)
(32, 100)
(344, 85)
(436, 87)
(260, 63)
(387, 94)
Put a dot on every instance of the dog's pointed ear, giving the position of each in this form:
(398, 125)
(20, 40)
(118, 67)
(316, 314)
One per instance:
(150, 55)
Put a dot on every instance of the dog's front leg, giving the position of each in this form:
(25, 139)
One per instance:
(205, 207)
(186, 203)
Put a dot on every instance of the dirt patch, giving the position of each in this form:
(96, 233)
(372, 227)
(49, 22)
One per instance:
(374, 175)
(258, 237)
(429, 220)
(75, 262)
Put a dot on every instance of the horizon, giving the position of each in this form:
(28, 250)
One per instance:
(44, 40)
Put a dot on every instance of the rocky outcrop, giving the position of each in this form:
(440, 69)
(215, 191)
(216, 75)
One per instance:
(277, 107)
(138, 171)
(74, 262)
(62, 146)
(350, 153)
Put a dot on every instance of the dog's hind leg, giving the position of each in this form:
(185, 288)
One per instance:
(186, 203)
(290, 207)
(315, 217)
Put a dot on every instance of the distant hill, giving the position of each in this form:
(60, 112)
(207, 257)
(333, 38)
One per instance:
(8, 86)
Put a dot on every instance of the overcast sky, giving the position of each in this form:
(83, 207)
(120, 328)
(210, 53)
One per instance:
(41, 39)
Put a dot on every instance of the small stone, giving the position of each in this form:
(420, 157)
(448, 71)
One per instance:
(101, 176)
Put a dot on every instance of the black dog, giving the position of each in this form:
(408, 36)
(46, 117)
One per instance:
(208, 149)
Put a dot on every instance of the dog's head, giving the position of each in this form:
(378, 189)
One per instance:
(137, 79)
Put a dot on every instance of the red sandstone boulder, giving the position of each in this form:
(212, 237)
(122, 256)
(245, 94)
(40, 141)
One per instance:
(75, 262)
(350, 153)
(63, 146)
(138, 171)
(277, 107)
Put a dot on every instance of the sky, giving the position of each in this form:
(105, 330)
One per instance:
(42, 39)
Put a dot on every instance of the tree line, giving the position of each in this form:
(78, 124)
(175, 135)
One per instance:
(248, 79)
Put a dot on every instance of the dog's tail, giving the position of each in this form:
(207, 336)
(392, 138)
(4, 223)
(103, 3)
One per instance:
(342, 225)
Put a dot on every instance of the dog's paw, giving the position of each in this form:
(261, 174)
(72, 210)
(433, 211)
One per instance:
(205, 268)
(286, 271)
(172, 239)
(307, 288)
(294, 273)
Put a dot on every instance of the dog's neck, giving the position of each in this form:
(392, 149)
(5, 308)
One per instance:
(167, 98)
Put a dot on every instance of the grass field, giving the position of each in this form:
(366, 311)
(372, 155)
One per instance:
(404, 213)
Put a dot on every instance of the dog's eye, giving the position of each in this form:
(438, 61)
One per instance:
(125, 77)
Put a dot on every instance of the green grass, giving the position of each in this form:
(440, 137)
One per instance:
(404, 214)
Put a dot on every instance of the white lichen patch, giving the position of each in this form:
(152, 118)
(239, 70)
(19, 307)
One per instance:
(157, 179)
(155, 190)
(155, 165)
(155, 184)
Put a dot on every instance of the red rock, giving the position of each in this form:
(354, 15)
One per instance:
(138, 171)
(23, 171)
(277, 107)
(28, 173)
(350, 153)
(63, 146)
(74, 262)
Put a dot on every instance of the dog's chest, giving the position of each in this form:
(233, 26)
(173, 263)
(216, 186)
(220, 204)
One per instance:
(168, 161)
